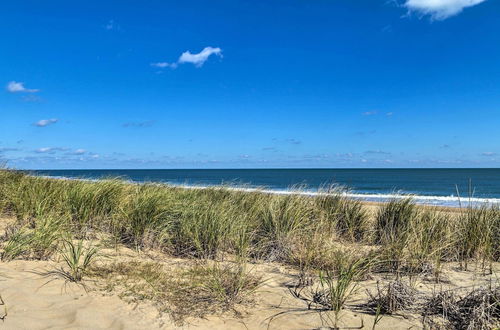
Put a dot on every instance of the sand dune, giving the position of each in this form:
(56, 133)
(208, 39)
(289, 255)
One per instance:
(35, 301)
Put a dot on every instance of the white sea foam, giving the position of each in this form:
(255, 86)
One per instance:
(450, 201)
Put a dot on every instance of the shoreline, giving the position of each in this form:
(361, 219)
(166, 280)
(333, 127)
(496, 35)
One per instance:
(452, 202)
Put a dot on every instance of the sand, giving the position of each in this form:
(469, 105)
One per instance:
(35, 301)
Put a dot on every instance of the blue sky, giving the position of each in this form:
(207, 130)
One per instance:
(236, 84)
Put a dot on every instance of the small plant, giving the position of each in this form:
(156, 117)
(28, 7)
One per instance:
(78, 258)
(228, 284)
(18, 244)
(336, 286)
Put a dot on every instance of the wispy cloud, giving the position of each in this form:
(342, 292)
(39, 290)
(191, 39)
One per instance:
(77, 152)
(439, 9)
(377, 152)
(197, 59)
(49, 150)
(293, 141)
(111, 25)
(18, 87)
(5, 149)
(369, 113)
(163, 65)
(31, 98)
(147, 123)
(365, 133)
(46, 122)
(488, 154)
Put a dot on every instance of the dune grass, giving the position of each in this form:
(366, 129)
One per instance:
(209, 223)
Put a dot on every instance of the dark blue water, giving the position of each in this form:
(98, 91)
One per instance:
(431, 186)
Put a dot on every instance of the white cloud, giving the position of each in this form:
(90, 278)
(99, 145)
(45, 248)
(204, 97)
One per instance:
(187, 57)
(369, 113)
(79, 152)
(201, 57)
(43, 150)
(439, 9)
(18, 87)
(163, 65)
(489, 154)
(46, 122)
(49, 150)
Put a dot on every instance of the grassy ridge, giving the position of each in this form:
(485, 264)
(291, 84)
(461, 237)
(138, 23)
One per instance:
(210, 223)
(328, 237)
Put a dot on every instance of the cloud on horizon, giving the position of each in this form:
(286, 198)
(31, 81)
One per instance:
(77, 152)
(187, 57)
(18, 87)
(377, 152)
(5, 149)
(147, 123)
(439, 9)
(49, 150)
(293, 141)
(46, 122)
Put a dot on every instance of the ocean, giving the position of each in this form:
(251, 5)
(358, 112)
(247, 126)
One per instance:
(428, 186)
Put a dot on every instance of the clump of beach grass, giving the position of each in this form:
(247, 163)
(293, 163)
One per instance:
(33, 197)
(393, 220)
(347, 216)
(16, 245)
(92, 204)
(78, 258)
(429, 241)
(282, 219)
(478, 236)
(336, 285)
(36, 240)
(145, 217)
(206, 229)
